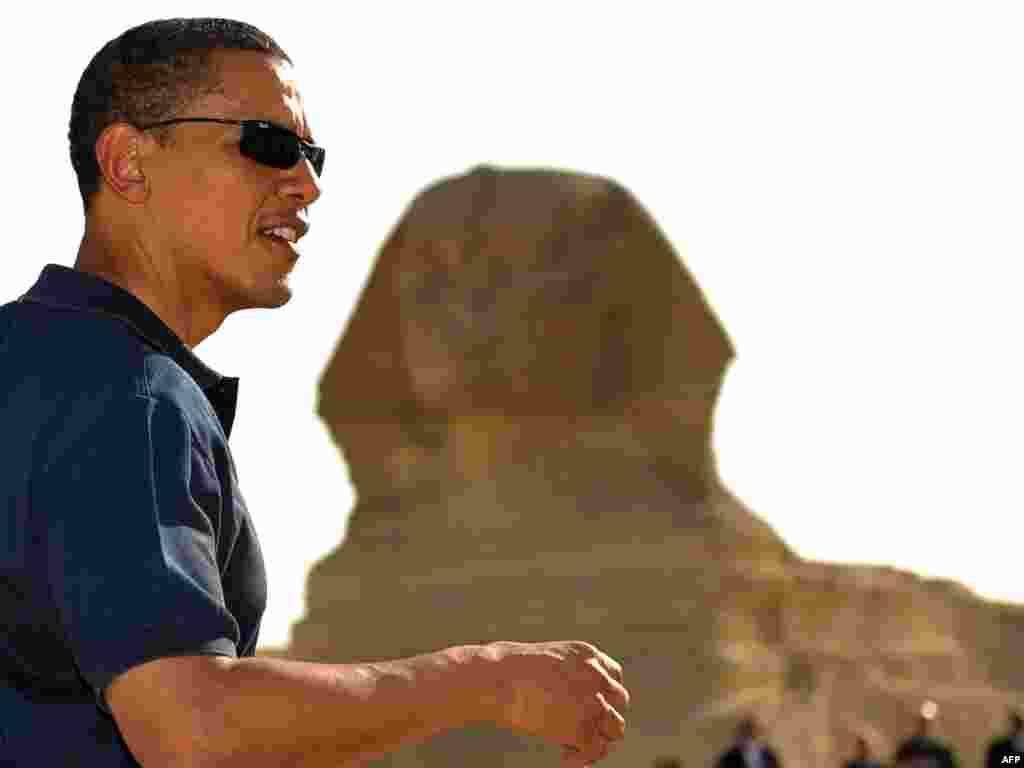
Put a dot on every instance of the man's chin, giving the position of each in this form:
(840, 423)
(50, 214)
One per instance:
(278, 297)
(275, 295)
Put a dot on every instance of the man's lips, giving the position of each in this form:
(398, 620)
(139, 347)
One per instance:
(278, 242)
(297, 225)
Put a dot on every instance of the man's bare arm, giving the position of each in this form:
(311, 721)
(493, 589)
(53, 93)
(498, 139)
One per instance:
(203, 711)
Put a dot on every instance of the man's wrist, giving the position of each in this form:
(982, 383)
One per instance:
(488, 687)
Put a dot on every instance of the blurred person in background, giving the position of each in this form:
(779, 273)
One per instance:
(1011, 744)
(922, 749)
(748, 751)
(862, 756)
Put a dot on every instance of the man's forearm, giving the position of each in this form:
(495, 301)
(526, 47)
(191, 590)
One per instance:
(276, 712)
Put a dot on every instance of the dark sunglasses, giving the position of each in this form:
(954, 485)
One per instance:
(264, 142)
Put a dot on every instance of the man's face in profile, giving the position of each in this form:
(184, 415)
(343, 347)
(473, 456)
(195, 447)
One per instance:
(209, 202)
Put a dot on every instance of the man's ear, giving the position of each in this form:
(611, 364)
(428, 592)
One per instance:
(118, 153)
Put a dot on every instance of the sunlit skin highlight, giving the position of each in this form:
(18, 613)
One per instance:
(179, 226)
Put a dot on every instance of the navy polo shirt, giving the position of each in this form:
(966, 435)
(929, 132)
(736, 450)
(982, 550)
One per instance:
(123, 536)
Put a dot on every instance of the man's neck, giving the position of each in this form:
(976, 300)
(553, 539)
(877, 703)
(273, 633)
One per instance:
(163, 294)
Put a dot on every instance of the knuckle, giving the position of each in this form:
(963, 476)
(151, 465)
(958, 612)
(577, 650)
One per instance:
(583, 648)
(624, 698)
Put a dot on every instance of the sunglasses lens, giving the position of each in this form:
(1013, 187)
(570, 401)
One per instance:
(270, 147)
(278, 149)
(316, 156)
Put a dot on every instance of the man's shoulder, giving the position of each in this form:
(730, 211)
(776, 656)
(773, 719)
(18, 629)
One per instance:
(46, 332)
(87, 345)
(77, 355)
(6, 315)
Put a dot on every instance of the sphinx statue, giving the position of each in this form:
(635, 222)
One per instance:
(524, 398)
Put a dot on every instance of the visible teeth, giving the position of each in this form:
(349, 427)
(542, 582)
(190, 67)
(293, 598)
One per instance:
(285, 233)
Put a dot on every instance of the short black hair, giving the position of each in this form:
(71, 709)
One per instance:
(747, 727)
(148, 74)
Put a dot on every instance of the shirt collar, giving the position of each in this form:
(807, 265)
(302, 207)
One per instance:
(60, 286)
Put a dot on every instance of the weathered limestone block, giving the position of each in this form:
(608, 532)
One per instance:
(525, 399)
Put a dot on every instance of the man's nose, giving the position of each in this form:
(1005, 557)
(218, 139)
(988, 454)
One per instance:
(301, 183)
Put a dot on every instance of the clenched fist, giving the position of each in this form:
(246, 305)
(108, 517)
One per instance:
(566, 692)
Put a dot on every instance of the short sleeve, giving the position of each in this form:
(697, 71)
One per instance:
(131, 543)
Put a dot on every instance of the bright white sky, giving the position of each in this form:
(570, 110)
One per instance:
(845, 180)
